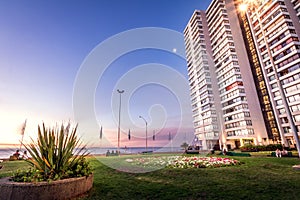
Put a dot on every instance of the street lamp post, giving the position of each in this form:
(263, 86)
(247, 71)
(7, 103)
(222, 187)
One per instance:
(146, 132)
(120, 92)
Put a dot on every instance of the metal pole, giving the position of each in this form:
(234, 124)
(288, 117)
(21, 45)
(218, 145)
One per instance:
(146, 132)
(146, 138)
(120, 92)
(23, 132)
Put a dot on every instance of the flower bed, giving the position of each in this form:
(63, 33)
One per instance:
(152, 161)
(183, 162)
(202, 162)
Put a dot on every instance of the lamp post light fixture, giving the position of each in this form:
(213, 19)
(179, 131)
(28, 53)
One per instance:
(120, 92)
(146, 132)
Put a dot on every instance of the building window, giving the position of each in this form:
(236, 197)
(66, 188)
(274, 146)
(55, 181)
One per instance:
(297, 118)
(281, 111)
(274, 85)
(278, 102)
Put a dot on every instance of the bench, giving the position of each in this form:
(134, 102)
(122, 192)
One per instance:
(112, 153)
(192, 151)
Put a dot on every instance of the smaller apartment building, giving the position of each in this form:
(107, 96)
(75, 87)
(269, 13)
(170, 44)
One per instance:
(226, 107)
(202, 82)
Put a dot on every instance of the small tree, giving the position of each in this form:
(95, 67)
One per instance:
(184, 145)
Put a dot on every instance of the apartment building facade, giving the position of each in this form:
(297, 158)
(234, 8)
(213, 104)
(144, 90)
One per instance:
(243, 70)
(271, 32)
(205, 102)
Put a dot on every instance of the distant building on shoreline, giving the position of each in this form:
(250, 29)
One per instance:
(244, 73)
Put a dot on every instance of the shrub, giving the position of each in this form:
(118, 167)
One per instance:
(55, 155)
(273, 147)
(252, 148)
(248, 148)
(202, 162)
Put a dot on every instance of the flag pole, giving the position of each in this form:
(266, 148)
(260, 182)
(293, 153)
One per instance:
(171, 141)
(101, 134)
(129, 135)
(21, 142)
(22, 132)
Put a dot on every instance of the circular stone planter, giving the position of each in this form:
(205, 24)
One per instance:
(58, 190)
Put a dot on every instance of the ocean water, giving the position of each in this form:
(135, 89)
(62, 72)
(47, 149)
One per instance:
(134, 150)
(7, 152)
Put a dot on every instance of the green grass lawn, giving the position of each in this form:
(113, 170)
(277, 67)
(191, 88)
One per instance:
(9, 167)
(257, 178)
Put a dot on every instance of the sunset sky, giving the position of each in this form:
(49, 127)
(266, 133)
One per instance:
(45, 46)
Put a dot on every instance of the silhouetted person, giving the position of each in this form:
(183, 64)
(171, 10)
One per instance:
(278, 153)
(24, 156)
(17, 154)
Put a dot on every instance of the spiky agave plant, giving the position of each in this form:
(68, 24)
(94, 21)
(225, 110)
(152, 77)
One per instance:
(58, 153)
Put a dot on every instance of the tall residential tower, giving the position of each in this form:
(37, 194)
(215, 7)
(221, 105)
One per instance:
(271, 30)
(243, 68)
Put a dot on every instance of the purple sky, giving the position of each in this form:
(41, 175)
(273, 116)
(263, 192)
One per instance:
(43, 45)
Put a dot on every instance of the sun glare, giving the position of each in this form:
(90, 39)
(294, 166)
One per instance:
(250, 3)
(243, 7)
